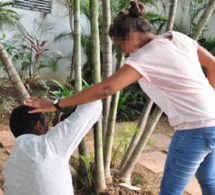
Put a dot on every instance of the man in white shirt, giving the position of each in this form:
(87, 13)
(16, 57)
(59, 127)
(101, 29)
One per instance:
(39, 162)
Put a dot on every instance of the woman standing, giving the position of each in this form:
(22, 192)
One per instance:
(168, 68)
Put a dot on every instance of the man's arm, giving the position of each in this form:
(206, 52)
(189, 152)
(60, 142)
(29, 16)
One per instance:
(61, 116)
(207, 60)
(65, 137)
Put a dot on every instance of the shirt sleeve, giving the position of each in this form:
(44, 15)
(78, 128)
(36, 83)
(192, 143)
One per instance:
(65, 137)
(133, 61)
(195, 43)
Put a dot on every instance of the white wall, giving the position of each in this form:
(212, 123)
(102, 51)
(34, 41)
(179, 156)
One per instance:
(183, 16)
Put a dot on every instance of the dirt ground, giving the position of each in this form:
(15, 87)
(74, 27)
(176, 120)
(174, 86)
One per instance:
(141, 177)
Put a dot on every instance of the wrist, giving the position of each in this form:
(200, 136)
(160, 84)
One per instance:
(56, 104)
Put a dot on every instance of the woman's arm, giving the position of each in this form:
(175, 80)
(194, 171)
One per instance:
(122, 78)
(207, 60)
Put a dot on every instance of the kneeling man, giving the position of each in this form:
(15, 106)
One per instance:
(39, 162)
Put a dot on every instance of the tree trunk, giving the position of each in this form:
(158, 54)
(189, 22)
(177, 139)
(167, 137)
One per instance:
(98, 142)
(172, 14)
(12, 73)
(111, 127)
(140, 128)
(203, 19)
(77, 46)
(107, 59)
(72, 27)
(125, 173)
(76, 59)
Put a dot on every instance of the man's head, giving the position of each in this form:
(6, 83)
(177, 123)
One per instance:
(21, 122)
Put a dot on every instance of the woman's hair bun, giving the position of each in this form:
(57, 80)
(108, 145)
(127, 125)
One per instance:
(137, 9)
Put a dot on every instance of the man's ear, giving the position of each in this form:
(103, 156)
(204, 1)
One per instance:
(38, 128)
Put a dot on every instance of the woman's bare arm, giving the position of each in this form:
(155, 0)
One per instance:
(207, 60)
(122, 78)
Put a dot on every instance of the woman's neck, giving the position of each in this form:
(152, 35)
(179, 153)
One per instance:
(148, 37)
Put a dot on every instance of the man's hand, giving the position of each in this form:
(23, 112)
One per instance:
(45, 105)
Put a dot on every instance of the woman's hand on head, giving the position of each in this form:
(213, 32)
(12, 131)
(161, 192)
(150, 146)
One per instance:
(45, 105)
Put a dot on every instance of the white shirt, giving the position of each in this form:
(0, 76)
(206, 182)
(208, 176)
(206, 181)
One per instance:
(38, 165)
(173, 78)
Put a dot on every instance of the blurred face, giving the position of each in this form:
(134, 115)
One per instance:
(130, 44)
(42, 126)
(45, 122)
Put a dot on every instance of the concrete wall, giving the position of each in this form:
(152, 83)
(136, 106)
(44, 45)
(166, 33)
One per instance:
(184, 11)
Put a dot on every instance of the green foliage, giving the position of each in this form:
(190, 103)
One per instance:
(117, 6)
(64, 90)
(180, 26)
(188, 25)
(209, 44)
(87, 71)
(38, 53)
(35, 80)
(122, 140)
(88, 161)
(158, 21)
(138, 180)
(129, 105)
(61, 89)
(7, 104)
(17, 54)
(85, 8)
(7, 16)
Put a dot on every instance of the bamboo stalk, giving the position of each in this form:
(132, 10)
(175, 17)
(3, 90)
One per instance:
(12, 73)
(203, 19)
(98, 135)
(125, 173)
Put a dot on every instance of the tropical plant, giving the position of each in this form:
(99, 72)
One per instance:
(39, 51)
(209, 44)
(15, 51)
(7, 16)
(122, 141)
(23, 59)
(36, 48)
(88, 161)
(64, 90)
(203, 19)
(12, 73)
(129, 105)
(138, 180)
(40, 55)
(10, 17)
